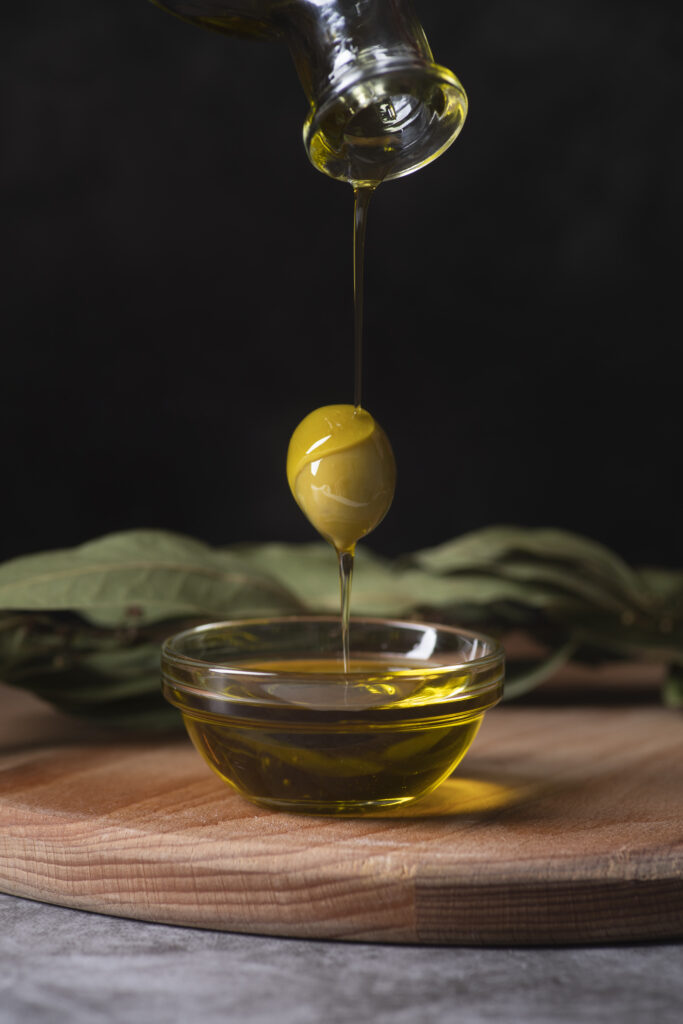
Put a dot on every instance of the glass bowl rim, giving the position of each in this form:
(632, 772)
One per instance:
(173, 657)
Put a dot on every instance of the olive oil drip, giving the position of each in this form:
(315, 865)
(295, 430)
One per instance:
(361, 201)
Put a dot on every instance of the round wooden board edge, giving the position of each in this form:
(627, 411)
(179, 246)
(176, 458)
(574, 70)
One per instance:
(480, 915)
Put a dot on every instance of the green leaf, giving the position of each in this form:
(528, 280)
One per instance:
(381, 587)
(523, 678)
(142, 576)
(489, 549)
(308, 571)
(630, 641)
(95, 678)
(672, 691)
(82, 627)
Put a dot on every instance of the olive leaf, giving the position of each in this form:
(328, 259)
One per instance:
(82, 627)
(493, 543)
(141, 576)
(522, 677)
(382, 587)
(557, 557)
(672, 691)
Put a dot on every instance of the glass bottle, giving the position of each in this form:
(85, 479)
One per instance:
(380, 107)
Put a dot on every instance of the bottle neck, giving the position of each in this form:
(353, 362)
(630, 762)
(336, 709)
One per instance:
(379, 105)
(332, 40)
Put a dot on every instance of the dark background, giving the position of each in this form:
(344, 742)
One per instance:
(177, 280)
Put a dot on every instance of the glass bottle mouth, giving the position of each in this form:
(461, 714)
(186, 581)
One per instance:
(385, 121)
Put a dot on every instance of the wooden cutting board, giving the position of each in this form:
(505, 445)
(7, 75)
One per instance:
(562, 825)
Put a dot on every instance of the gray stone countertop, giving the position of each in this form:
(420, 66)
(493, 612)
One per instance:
(59, 965)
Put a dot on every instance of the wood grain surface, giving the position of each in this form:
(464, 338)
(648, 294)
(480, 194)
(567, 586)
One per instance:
(562, 825)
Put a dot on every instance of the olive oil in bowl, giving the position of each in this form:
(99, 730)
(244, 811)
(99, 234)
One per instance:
(294, 732)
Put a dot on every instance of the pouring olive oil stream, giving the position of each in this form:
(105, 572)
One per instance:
(379, 108)
(340, 465)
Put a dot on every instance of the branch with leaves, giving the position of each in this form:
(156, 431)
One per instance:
(82, 627)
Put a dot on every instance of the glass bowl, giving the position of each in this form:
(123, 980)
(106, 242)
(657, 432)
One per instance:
(268, 706)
